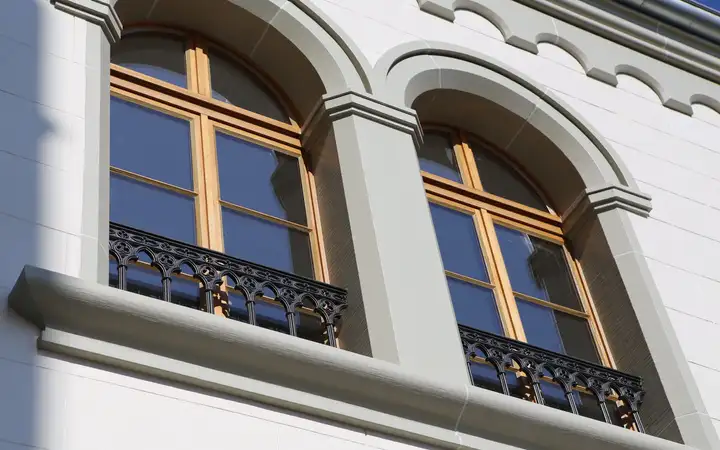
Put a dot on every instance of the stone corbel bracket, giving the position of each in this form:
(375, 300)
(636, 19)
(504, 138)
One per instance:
(594, 201)
(605, 43)
(99, 12)
(334, 107)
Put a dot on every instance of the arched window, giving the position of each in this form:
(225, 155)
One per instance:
(507, 266)
(204, 150)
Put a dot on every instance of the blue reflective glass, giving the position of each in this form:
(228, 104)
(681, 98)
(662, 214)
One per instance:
(141, 205)
(502, 180)
(474, 306)
(147, 281)
(272, 316)
(437, 156)
(458, 241)
(485, 376)
(268, 243)
(540, 326)
(258, 178)
(157, 56)
(150, 143)
(537, 267)
(232, 83)
(557, 331)
(586, 403)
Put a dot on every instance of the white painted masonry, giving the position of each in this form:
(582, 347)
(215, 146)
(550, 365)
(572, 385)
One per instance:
(53, 126)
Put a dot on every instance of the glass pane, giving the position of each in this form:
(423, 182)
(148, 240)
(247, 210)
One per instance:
(498, 178)
(259, 178)
(458, 241)
(557, 331)
(140, 205)
(437, 157)
(474, 306)
(147, 281)
(269, 315)
(554, 396)
(150, 143)
(577, 337)
(310, 327)
(586, 403)
(537, 268)
(158, 56)
(232, 83)
(266, 243)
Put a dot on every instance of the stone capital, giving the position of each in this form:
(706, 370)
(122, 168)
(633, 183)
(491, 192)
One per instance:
(99, 12)
(594, 201)
(333, 107)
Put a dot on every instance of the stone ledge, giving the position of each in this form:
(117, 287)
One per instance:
(126, 330)
(100, 12)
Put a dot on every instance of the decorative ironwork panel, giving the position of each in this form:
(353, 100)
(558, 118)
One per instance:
(211, 269)
(569, 373)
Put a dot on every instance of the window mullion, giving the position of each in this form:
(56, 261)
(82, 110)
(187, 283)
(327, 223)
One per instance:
(469, 162)
(506, 299)
(211, 192)
(203, 68)
(191, 63)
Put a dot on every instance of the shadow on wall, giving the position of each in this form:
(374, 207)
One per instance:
(33, 131)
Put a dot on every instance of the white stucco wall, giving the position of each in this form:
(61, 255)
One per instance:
(52, 403)
(42, 106)
(673, 157)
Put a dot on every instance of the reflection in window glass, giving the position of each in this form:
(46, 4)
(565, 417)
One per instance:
(458, 241)
(259, 178)
(474, 306)
(149, 208)
(155, 55)
(557, 331)
(499, 178)
(537, 268)
(232, 83)
(437, 156)
(150, 143)
(268, 243)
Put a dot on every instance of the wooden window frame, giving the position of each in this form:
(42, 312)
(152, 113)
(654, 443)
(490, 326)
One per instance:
(208, 115)
(487, 210)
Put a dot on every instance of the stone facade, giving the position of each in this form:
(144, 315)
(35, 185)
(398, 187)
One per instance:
(625, 108)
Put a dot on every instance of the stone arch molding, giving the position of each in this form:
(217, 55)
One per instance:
(408, 71)
(602, 59)
(338, 61)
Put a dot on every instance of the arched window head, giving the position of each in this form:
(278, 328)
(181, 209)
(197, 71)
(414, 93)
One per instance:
(506, 263)
(200, 67)
(444, 155)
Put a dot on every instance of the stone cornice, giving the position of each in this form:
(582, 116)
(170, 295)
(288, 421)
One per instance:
(334, 107)
(126, 330)
(597, 200)
(589, 33)
(100, 12)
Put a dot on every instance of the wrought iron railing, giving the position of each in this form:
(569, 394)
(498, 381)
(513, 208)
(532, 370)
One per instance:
(211, 269)
(537, 364)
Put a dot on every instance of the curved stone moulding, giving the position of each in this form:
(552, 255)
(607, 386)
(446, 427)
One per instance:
(602, 59)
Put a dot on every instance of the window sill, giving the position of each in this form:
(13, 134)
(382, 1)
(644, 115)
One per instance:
(126, 330)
